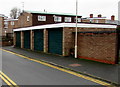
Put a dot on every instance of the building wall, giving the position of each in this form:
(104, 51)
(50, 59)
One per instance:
(33, 19)
(45, 40)
(94, 20)
(68, 40)
(10, 26)
(97, 47)
(50, 19)
(86, 20)
(9, 29)
(1, 22)
(1, 25)
(22, 20)
(99, 21)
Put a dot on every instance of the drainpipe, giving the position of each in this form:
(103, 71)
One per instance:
(76, 29)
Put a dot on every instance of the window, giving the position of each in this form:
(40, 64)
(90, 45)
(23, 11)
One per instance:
(97, 21)
(28, 18)
(91, 20)
(12, 23)
(6, 24)
(67, 19)
(79, 19)
(41, 18)
(57, 18)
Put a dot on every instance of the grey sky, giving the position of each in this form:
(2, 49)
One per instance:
(85, 7)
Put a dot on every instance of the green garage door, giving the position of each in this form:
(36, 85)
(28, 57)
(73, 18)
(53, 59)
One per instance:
(27, 39)
(38, 40)
(18, 39)
(55, 41)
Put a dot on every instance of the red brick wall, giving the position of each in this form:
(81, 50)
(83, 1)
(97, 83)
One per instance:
(6, 43)
(68, 40)
(22, 20)
(45, 40)
(1, 22)
(98, 47)
(1, 26)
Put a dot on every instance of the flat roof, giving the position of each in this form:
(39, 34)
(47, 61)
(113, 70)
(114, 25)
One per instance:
(80, 25)
(52, 13)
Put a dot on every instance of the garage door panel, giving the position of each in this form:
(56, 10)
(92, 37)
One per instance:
(55, 41)
(27, 39)
(18, 39)
(38, 40)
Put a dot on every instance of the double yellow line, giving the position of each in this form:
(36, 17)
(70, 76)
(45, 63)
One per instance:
(61, 69)
(7, 80)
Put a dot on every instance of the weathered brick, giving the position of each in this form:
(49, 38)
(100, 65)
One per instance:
(98, 47)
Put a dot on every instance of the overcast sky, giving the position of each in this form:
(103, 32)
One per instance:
(85, 7)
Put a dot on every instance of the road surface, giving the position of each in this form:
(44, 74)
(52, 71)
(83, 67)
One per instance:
(23, 71)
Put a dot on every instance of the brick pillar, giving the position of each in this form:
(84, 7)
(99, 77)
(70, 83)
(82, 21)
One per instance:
(68, 40)
(63, 46)
(45, 40)
(14, 39)
(32, 40)
(22, 39)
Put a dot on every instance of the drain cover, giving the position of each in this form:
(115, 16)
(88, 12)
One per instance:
(74, 65)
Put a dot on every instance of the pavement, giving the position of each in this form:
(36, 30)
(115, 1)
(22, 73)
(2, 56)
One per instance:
(105, 72)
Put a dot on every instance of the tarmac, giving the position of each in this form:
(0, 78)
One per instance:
(106, 72)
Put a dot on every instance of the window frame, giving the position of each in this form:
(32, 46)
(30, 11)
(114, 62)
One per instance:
(78, 20)
(12, 23)
(41, 18)
(28, 18)
(68, 19)
(57, 19)
(6, 24)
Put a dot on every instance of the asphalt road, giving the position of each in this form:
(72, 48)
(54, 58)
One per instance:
(26, 72)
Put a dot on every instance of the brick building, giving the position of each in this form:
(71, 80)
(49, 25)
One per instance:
(2, 18)
(9, 25)
(34, 18)
(98, 42)
(100, 19)
(6, 30)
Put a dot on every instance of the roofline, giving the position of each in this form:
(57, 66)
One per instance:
(51, 13)
(2, 15)
(99, 23)
(95, 18)
(80, 25)
(11, 20)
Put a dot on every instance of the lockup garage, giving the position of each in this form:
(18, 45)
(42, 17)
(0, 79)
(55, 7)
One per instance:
(96, 42)
(38, 40)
